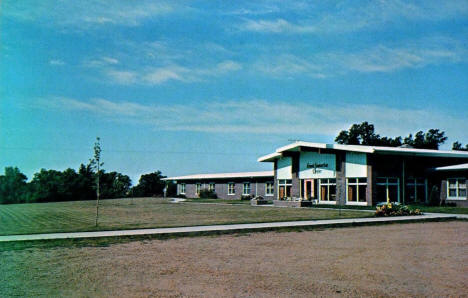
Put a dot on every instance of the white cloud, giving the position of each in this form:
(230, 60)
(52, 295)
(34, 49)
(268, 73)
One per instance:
(86, 13)
(160, 75)
(100, 62)
(347, 16)
(269, 117)
(380, 58)
(56, 62)
(275, 26)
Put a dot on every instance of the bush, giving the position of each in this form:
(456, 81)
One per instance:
(180, 196)
(395, 210)
(247, 197)
(207, 194)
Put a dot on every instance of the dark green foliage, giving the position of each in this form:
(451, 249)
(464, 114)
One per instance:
(150, 185)
(364, 134)
(459, 146)
(55, 186)
(13, 187)
(207, 194)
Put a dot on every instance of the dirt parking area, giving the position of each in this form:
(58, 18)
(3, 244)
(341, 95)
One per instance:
(423, 259)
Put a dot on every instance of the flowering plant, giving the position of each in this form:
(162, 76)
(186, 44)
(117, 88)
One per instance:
(390, 209)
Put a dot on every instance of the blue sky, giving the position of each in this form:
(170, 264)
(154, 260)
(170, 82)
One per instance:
(209, 86)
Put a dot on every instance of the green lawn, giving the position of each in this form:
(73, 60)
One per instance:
(144, 213)
(443, 209)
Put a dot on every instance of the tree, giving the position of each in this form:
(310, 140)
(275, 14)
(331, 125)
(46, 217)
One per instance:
(114, 185)
(96, 164)
(13, 186)
(459, 147)
(364, 134)
(150, 185)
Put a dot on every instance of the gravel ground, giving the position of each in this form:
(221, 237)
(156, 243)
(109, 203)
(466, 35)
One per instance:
(423, 259)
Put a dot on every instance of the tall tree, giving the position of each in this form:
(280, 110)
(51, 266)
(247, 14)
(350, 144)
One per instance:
(97, 164)
(150, 185)
(12, 186)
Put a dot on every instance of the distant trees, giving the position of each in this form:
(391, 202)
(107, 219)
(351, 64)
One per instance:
(364, 134)
(458, 146)
(55, 186)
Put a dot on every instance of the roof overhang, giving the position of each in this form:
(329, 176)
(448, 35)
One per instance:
(263, 174)
(460, 167)
(298, 146)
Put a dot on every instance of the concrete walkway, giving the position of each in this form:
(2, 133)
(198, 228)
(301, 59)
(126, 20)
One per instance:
(234, 227)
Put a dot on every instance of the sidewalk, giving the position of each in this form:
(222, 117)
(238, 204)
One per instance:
(234, 227)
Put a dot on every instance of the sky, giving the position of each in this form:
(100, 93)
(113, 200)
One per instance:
(209, 86)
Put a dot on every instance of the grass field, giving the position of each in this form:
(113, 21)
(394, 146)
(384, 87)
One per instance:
(144, 213)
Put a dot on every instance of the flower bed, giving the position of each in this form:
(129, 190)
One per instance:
(390, 209)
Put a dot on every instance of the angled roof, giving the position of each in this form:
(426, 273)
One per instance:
(296, 146)
(460, 167)
(223, 175)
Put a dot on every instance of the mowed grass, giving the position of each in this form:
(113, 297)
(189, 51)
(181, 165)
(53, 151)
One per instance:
(139, 213)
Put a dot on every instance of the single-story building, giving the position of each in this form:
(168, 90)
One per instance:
(367, 175)
(345, 175)
(227, 185)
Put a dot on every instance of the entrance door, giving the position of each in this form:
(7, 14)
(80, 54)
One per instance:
(310, 187)
(281, 192)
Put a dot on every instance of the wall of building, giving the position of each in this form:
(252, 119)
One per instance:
(257, 187)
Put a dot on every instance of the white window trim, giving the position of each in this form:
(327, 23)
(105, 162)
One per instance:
(243, 189)
(198, 189)
(182, 187)
(209, 186)
(233, 188)
(272, 188)
(357, 183)
(457, 198)
(285, 184)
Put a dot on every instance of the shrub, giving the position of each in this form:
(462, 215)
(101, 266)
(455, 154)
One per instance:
(207, 194)
(180, 196)
(395, 210)
(247, 197)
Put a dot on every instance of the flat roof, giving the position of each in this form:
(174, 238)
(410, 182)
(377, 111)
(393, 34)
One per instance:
(296, 146)
(223, 175)
(460, 167)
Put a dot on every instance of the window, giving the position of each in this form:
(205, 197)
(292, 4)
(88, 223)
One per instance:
(269, 189)
(182, 189)
(246, 189)
(231, 189)
(415, 190)
(456, 189)
(327, 190)
(284, 189)
(198, 188)
(356, 192)
(211, 187)
(388, 188)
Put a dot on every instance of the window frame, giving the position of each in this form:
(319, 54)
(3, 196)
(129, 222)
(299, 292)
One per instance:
(269, 191)
(198, 187)
(457, 189)
(357, 183)
(388, 183)
(328, 184)
(211, 186)
(231, 192)
(182, 188)
(244, 188)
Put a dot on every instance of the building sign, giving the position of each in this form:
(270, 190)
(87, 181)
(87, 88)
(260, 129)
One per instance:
(316, 166)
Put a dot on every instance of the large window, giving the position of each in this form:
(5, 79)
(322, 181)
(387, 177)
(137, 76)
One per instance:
(211, 186)
(198, 188)
(231, 189)
(246, 189)
(456, 189)
(284, 189)
(388, 188)
(415, 190)
(328, 190)
(356, 192)
(182, 188)
(269, 188)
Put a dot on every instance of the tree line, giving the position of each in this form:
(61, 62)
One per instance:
(71, 185)
(364, 134)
